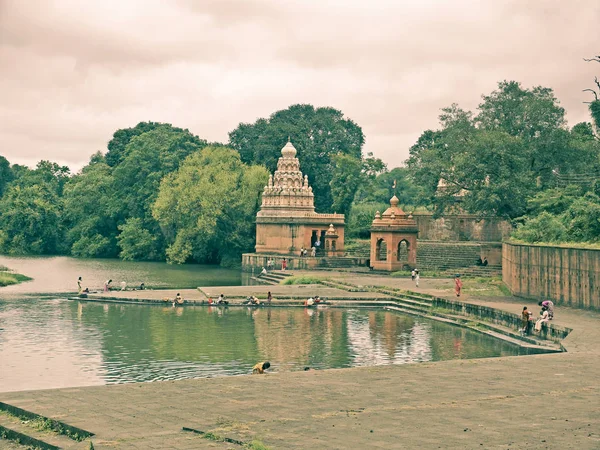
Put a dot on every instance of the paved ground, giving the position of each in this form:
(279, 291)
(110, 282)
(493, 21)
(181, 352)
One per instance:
(530, 402)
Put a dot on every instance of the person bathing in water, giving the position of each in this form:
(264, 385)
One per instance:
(260, 368)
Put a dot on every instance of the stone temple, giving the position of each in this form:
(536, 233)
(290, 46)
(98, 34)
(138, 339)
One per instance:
(287, 220)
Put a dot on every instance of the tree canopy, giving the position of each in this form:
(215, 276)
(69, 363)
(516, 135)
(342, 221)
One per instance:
(322, 136)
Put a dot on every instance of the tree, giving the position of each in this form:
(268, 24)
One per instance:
(30, 221)
(206, 209)
(319, 134)
(498, 159)
(121, 138)
(595, 104)
(6, 175)
(136, 243)
(89, 211)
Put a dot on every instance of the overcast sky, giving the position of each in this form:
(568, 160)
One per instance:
(74, 71)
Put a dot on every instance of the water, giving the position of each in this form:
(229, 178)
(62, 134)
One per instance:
(52, 343)
(59, 274)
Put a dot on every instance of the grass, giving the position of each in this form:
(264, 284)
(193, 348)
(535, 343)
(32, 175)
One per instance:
(8, 278)
(304, 279)
(582, 245)
(486, 286)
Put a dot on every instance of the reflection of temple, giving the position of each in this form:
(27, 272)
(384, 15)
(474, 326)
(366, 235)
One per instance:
(287, 220)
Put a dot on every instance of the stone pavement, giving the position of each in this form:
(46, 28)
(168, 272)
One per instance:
(547, 401)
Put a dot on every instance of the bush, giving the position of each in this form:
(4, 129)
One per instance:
(543, 228)
(304, 279)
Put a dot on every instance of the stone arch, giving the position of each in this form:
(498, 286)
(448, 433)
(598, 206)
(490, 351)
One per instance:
(381, 250)
(403, 248)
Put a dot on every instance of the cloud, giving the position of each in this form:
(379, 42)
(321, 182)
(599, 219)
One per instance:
(74, 72)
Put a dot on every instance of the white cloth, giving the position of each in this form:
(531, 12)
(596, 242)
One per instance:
(543, 318)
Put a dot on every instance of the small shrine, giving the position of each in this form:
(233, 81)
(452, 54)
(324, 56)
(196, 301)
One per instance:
(393, 239)
(287, 221)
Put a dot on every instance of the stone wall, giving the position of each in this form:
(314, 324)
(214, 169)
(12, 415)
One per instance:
(567, 276)
(461, 227)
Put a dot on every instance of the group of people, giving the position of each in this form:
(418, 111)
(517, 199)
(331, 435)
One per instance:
(311, 301)
(482, 262)
(304, 251)
(546, 315)
(220, 301)
(123, 286)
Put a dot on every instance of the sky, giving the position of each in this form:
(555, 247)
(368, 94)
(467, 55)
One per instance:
(72, 72)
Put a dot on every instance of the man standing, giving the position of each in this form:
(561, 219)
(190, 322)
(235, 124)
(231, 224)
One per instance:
(457, 284)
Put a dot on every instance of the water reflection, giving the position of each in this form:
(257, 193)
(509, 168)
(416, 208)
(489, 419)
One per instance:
(59, 274)
(58, 343)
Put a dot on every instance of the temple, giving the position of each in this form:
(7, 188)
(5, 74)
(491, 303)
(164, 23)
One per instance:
(393, 239)
(287, 221)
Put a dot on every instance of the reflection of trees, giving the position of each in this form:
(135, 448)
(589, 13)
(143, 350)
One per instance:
(139, 333)
(313, 337)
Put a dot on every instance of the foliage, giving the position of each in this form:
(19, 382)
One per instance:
(545, 228)
(206, 209)
(497, 160)
(89, 211)
(8, 278)
(30, 221)
(561, 217)
(318, 134)
(135, 241)
(360, 219)
(117, 146)
(381, 188)
(6, 175)
(304, 279)
(345, 181)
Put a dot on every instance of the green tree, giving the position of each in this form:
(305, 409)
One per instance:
(6, 175)
(30, 221)
(319, 134)
(121, 138)
(515, 147)
(89, 211)
(206, 209)
(136, 243)
(361, 217)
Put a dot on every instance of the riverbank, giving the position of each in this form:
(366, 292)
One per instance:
(532, 402)
(9, 278)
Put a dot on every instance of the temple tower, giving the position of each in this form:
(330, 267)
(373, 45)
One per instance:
(287, 220)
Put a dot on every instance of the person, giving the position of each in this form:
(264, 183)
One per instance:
(269, 264)
(178, 300)
(221, 298)
(549, 306)
(107, 285)
(417, 278)
(269, 297)
(525, 316)
(479, 261)
(313, 251)
(302, 252)
(284, 264)
(309, 302)
(260, 367)
(543, 318)
(305, 252)
(79, 288)
(485, 262)
(457, 285)
(263, 271)
(142, 286)
(412, 274)
(123, 285)
(317, 299)
(222, 301)
(210, 301)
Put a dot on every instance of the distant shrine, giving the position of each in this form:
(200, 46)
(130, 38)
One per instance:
(287, 221)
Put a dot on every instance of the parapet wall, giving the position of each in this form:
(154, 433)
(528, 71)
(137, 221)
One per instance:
(567, 276)
(461, 227)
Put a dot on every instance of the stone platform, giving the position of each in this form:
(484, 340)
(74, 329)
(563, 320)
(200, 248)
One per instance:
(530, 402)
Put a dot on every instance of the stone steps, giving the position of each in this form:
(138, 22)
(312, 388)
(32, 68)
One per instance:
(36, 433)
